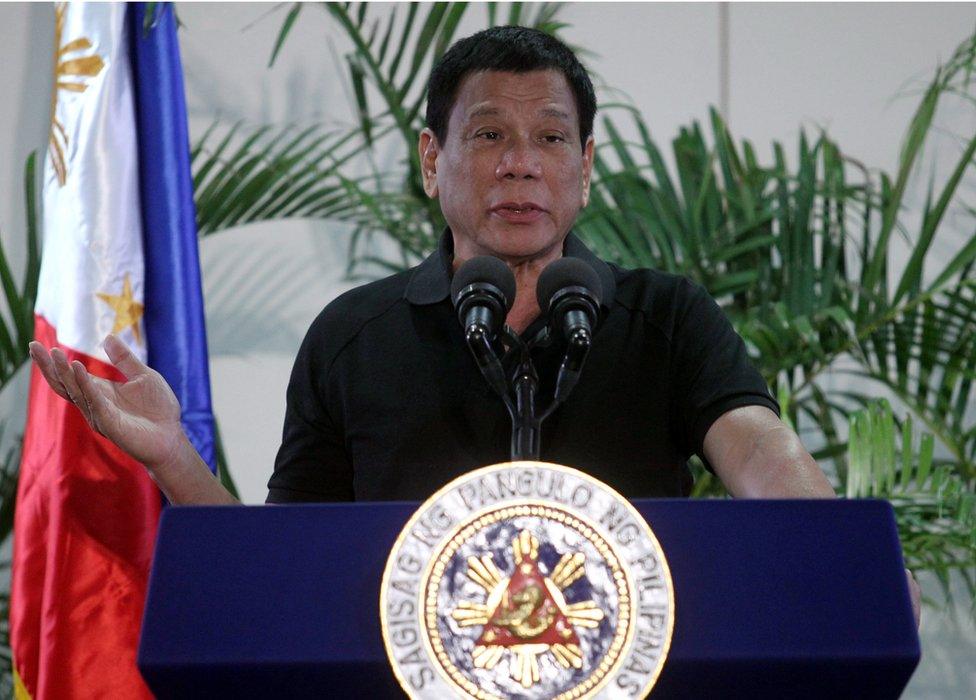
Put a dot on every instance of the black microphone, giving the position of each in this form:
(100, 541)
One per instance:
(569, 291)
(483, 290)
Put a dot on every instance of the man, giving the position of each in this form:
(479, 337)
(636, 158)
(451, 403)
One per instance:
(385, 401)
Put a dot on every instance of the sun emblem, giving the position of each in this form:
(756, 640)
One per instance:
(71, 67)
(526, 613)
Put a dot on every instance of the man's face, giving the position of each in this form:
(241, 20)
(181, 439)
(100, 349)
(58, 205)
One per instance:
(512, 174)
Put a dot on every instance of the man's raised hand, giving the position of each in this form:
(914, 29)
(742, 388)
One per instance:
(140, 415)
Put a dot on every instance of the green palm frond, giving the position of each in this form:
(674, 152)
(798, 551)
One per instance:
(245, 175)
(17, 324)
(935, 507)
(9, 473)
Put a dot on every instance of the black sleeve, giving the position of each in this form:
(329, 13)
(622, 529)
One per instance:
(712, 370)
(312, 462)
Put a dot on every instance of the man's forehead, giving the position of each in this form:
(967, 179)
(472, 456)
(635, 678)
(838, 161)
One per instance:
(494, 93)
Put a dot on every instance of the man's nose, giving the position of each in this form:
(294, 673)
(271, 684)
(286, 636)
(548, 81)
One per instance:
(521, 160)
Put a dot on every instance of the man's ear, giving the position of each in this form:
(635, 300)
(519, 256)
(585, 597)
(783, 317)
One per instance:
(587, 169)
(428, 149)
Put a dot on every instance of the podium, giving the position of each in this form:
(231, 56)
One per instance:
(772, 599)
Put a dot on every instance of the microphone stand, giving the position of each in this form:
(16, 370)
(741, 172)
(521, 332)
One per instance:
(526, 422)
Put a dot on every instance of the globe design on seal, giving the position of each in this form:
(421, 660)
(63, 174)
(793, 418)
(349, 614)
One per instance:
(526, 581)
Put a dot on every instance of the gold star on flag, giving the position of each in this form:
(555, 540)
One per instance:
(128, 311)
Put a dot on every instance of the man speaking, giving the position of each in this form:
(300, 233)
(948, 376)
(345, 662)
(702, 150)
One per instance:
(386, 401)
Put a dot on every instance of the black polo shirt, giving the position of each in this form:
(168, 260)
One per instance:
(385, 401)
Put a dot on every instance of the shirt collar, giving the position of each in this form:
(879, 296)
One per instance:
(431, 280)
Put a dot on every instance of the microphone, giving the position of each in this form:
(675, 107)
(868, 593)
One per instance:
(483, 290)
(569, 291)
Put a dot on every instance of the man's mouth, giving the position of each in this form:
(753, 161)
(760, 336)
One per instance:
(518, 212)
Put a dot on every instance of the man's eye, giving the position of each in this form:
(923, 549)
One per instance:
(553, 138)
(490, 135)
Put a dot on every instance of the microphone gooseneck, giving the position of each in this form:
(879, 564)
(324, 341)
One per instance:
(569, 294)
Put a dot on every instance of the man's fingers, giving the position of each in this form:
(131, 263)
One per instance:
(95, 401)
(64, 373)
(45, 364)
(83, 400)
(70, 383)
(123, 358)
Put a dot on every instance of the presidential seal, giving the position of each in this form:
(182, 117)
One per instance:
(527, 580)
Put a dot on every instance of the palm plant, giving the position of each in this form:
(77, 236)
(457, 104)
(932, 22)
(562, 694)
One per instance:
(17, 328)
(799, 257)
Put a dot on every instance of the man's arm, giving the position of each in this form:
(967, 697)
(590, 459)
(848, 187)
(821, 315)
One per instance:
(756, 455)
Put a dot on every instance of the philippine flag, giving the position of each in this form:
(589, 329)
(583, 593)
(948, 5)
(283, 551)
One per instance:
(119, 256)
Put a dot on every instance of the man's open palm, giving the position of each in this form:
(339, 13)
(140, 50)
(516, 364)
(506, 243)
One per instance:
(140, 415)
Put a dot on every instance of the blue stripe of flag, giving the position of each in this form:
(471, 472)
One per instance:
(174, 317)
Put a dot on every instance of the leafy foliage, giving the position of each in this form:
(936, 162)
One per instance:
(17, 325)
(934, 506)
(9, 472)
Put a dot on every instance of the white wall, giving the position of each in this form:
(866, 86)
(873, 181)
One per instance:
(840, 66)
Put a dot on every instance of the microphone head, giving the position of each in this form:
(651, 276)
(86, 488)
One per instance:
(484, 270)
(563, 273)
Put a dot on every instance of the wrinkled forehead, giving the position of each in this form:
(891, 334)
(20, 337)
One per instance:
(544, 94)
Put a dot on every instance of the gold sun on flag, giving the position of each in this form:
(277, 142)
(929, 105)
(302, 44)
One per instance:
(128, 311)
(73, 64)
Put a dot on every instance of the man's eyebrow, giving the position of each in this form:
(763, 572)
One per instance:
(484, 112)
(487, 111)
(553, 112)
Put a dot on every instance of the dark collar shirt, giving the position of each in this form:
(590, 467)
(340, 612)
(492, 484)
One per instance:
(386, 402)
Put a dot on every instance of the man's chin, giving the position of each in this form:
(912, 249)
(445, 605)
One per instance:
(524, 248)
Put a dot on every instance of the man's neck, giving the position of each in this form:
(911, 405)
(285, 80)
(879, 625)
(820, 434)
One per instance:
(525, 309)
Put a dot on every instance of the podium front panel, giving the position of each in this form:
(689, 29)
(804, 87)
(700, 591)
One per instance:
(772, 599)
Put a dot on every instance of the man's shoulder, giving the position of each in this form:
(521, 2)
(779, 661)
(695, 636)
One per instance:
(653, 292)
(369, 299)
(344, 317)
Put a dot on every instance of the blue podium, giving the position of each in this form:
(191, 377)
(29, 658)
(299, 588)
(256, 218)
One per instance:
(798, 599)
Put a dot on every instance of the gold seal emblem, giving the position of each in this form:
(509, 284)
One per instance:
(527, 580)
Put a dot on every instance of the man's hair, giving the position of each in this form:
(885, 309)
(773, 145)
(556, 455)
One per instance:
(512, 50)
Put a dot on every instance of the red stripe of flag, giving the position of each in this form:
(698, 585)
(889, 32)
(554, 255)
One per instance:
(84, 528)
